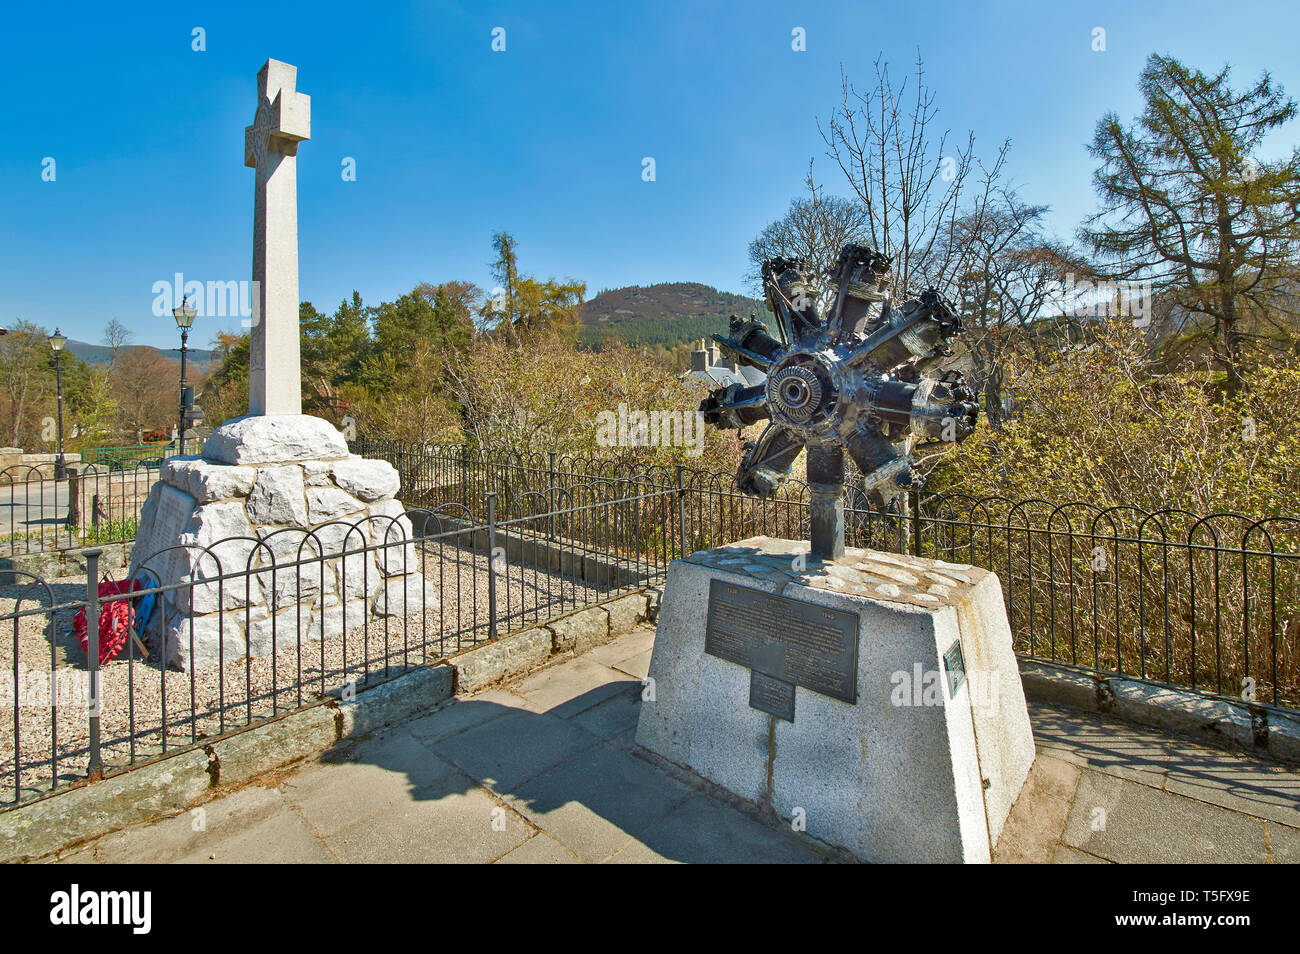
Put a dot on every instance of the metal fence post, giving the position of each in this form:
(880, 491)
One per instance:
(464, 474)
(914, 502)
(681, 509)
(492, 564)
(74, 501)
(550, 496)
(95, 767)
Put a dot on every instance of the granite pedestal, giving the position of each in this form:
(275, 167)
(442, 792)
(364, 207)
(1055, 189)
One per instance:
(925, 761)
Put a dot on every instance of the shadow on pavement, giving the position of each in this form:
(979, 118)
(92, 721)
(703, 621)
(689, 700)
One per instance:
(572, 772)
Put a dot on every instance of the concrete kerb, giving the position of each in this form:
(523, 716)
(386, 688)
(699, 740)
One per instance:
(74, 815)
(519, 653)
(176, 782)
(1243, 726)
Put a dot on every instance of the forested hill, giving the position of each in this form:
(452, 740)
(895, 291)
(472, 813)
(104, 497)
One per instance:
(666, 314)
(99, 354)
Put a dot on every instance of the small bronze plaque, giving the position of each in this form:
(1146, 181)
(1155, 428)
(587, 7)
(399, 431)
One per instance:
(771, 695)
(792, 641)
(955, 665)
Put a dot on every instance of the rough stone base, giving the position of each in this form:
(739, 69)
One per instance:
(269, 493)
(908, 773)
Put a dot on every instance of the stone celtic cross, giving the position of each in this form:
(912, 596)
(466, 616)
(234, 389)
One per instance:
(271, 147)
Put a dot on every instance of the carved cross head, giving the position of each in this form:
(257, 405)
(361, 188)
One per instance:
(283, 115)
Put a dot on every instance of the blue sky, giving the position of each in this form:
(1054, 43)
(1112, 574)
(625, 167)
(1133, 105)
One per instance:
(453, 141)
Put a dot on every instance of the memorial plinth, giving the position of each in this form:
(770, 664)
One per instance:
(873, 699)
(309, 538)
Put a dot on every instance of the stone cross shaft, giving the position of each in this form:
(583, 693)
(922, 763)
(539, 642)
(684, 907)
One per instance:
(271, 147)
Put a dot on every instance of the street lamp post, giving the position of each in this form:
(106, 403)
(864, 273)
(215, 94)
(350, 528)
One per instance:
(184, 316)
(57, 341)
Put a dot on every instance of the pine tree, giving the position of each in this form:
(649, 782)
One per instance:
(1189, 207)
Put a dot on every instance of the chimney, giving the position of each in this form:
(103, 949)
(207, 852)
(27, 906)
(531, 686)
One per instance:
(700, 358)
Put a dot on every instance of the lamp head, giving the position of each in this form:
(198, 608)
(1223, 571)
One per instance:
(184, 315)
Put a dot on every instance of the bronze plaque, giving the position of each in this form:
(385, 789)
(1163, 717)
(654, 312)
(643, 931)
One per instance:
(791, 641)
(955, 665)
(771, 695)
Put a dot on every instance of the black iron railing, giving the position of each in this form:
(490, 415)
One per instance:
(495, 543)
(94, 503)
(1206, 602)
(407, 596)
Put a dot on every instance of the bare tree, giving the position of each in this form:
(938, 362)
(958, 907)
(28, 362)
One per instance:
(814, 228)
(24, 354)
(906, 174)
(117, 336)
(142, 403)
(1010, 274)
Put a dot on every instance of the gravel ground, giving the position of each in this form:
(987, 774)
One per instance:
(202, 703)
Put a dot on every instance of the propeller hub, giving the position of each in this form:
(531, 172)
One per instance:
(799, 390)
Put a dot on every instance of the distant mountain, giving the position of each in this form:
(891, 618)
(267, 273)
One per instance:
(100, 354)
(666, 314)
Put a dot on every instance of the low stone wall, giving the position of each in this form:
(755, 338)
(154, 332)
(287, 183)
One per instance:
(555, 555)
(43, 463)
(52, 564)
(1244, 726)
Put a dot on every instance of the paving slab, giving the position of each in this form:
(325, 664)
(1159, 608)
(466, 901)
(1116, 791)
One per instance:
(468, 828)
(625, 740)
(539, 850)
(1283, 844)
(599, 800)
(504, 753)
(1037, 819)
(461, 714)
(1065, 855)
(194, 832)
(568, 689)
(1234, 781)
(1113, 748)
(372, 777)
(613, 717)
(1129, 822)
(705, 831)
(638, 666)
(624, 647)
(283, 838)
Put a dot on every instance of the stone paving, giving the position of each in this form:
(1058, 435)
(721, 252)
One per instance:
(545, 772)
